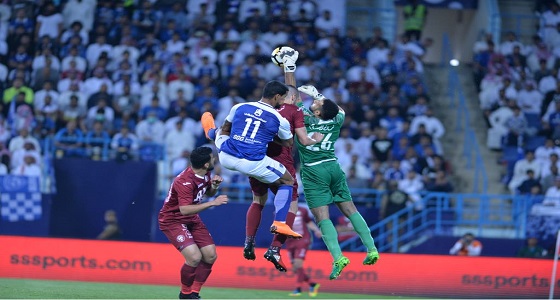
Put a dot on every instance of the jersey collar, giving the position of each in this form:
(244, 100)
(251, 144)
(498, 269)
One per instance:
(260, 101)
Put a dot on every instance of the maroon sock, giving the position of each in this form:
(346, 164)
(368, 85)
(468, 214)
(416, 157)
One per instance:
(187, 277)
(301, 276)
(202, 272)
(253, 219)
(280, 239)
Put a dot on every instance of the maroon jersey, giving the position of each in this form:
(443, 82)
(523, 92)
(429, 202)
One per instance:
(187, 188)
(300, 226)
(284, 155)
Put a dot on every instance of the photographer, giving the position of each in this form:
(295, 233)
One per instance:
(466, 246)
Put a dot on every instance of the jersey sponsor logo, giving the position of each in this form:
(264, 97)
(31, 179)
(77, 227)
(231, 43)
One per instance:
(258, 112)
(321, 127)
(180, 238)
(200, 185)
(186, 183)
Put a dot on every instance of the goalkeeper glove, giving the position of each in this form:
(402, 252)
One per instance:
(289, 58)
(311, 91)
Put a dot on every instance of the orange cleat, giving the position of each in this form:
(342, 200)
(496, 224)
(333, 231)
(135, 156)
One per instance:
(283, 228)
(207, 121)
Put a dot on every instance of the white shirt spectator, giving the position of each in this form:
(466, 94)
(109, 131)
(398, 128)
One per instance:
(18, 156)
(81, 63)
(18, 141)
(40, 62)
(354, 74)
(542, 153)
(134, 53)
(377, 55)
(32, 170)
(178, 141)
(506, 47)
(82, 11)
(40, 96)
(552, 196)
(433, 125)
(109, 113)
(238, 56)
(135, 88)
(331, 92)
(412, 187)
(248, 47)
(275, 38)
(92, 85)
(547, 84)
(188, 124)
(49, 25)
(246, 7)
(94, 51)
(225, 104)
(530, 101)
(176, 85)
(328, 24)
(175, 46)
(5, 132)
(64, 99)
(545, 168)
(193, 6)
(151, 131)
(228, 34)
(69, 33)
(520, 172)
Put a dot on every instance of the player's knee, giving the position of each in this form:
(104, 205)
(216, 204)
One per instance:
(194, 259)
(210, 259)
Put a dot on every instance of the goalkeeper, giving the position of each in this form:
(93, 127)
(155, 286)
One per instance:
(323, 180)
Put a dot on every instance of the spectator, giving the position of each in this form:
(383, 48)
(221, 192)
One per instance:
(527, 185)
(412, 185)
(28, 168)
(552, 196)
(344, 229)
(20, 140)
(125, 144)
(532, 249)
(112, 230)
(49, 22)
(179, 140)
(97, 142)
(440, 183)
(520, 170)
(69, 141)
(79, 11)
(18, 156)
(467, 246)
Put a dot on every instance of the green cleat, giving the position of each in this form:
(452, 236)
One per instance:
(338, 266)
(372, 257)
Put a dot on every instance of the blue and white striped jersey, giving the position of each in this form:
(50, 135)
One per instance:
(254, 125)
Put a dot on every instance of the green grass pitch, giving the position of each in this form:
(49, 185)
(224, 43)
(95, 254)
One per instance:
(48, 289)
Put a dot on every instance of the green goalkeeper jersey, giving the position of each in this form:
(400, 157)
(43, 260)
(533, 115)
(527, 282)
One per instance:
(323, 151)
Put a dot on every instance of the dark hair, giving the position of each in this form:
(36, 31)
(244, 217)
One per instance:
(329, 110)
(273, 88)
(200, 156)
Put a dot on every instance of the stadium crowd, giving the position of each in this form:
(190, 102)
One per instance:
(519, 93)
(129, 80)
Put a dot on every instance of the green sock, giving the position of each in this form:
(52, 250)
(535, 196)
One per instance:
(330, 237)
(362, 229)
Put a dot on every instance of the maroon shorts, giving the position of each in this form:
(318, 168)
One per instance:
(297, 248)
(184, 235)
(259, 188)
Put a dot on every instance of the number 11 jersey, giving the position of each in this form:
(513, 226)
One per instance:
(254, 125)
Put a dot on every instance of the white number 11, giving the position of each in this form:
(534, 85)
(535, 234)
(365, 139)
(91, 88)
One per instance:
(250, 121)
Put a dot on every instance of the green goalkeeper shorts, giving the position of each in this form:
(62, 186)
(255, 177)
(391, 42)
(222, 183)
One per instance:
(324, 184)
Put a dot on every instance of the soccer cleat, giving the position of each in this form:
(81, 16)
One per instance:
(296, 292)
(283, 228)
(195, 296)
(207, 121)
(372, 257)
(249, 251)
(275, 258)
(185, 296)
(338, 266)
(314, 289)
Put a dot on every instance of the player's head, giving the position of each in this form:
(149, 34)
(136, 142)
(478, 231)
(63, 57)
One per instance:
(324, 109)
(292, 94)
(274, 93)
(202, 158)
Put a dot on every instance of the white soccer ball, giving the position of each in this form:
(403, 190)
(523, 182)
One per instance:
(278, 53)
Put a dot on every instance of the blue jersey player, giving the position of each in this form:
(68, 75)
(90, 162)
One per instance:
(242, 143)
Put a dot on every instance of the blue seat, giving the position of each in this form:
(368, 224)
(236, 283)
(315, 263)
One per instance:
(533, 120)
(533, 142)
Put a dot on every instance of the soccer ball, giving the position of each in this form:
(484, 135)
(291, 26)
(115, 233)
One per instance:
(277, 55)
